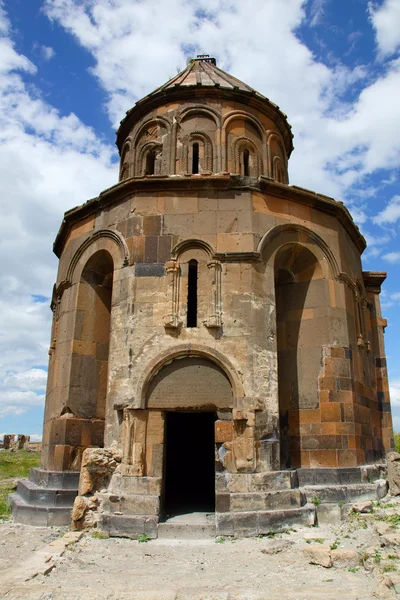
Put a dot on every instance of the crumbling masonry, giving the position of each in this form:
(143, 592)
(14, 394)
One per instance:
(213, 329)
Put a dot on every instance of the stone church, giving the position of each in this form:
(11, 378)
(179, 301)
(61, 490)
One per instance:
(213, 332)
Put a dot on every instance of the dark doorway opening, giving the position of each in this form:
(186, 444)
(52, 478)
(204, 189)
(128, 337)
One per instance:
(189, 463)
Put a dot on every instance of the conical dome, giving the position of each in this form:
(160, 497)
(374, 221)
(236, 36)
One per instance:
(205, 121)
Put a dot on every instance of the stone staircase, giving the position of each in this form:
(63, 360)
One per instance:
(45, 499)
(191, 526)
(247, 504)
(333, 491)
(261, 503)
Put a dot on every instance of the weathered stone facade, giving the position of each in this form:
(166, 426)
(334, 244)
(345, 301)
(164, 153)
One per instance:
(204, 285)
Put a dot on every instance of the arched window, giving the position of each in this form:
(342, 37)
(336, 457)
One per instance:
(246, 163)
(150, 162)
(247, 158)
(192, 294)
(195, 158)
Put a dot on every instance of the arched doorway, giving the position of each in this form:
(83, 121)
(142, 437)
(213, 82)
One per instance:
(190, 391)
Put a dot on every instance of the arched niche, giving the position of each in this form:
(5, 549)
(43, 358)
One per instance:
(103, 239)
(279, 171)
(196, 142)
(289, 233)
(301, 298)
(149, 159)
(248, 161)
(151, 136)
(277, 156)
(190, 383)
(194, 286)
(126, 162)
(243, 133)
(90, 346)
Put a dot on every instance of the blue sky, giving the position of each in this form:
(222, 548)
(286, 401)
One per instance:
(71, 68)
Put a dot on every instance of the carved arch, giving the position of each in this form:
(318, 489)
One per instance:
(107, 234)
(213, 313)
(273, 135)
(240, 114)
(159, 119)
(181, 247)
(200, 109)
(126, 161)
(187, 351)
(142, 157)
(278, 171)
(240, 145)
(268, 247)
(208, 150)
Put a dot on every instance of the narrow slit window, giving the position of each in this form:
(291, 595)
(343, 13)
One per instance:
(195, 158)
(150, 162)
(192, 294)
(246, 162)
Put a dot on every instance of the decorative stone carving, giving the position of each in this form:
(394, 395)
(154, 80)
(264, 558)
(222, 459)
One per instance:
(134, 441)
(171, 319)
(215, 309)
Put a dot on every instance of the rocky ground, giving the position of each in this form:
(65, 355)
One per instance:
(358, 559)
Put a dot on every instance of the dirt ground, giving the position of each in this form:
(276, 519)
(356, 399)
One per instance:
(269, 567)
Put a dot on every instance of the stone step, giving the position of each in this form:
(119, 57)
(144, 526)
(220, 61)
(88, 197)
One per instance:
(131, 504)
(271, 500)
(33, 494)
(130, 526)
(249, 524)
(341, 476)
(339, 493)
(256, 482)
(41, 516)
(61, 480)
(191, 526)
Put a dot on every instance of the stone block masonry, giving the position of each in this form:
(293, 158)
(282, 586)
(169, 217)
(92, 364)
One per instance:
(214, 335)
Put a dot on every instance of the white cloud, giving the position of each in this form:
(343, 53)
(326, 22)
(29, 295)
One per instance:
(339, 143)
(48, 164)
(317, 11)
(45, 52)
(385, 18)
(390, 214)
(20, 391)
(392, 257)
(394, 390)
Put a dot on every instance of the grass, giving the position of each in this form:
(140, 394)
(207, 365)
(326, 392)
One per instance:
(397, 442)
(99, 535)
(14, 465)
(143, 538)
(393, 520)
(389, 569)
